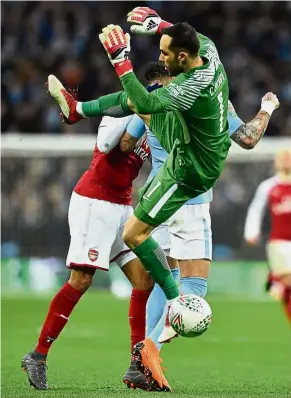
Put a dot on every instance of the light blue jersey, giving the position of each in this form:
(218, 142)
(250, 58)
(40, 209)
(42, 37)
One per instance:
(136, 128)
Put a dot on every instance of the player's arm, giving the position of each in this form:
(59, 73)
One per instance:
(117, 46)
(255, 213)
(248, 135)
(110, 132)
(134, 131)
(178, 95)
(146, 21)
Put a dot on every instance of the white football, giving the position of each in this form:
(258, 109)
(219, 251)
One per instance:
(190, 315)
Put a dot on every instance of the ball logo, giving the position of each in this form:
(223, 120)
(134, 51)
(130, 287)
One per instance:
(177, 320)
(93, 255)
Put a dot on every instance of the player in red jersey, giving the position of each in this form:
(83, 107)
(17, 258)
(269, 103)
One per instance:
(275, 193)
(99, 208)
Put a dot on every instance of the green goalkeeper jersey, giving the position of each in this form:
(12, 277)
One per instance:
(200, 96)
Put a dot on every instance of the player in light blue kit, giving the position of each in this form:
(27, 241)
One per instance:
(186, 237)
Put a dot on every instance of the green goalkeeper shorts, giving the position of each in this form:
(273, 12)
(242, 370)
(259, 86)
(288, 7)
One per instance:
(180, 178)
(170, 189)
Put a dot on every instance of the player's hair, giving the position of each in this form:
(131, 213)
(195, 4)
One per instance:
(184, 38)
(155, 70)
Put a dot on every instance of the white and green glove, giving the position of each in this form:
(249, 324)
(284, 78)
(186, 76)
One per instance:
(146, 21)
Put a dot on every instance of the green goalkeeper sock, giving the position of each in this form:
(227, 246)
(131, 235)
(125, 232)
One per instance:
(155, 262)
(114, 105)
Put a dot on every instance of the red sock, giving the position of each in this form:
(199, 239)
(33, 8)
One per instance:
(287, 302)
(137, 315)
(58, 315)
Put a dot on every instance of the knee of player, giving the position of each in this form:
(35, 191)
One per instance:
(133, 240)
(81, 280)
(135, 232)
(129, 237)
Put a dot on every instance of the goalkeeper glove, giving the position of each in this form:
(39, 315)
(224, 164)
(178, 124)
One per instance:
(117, 46)
(146, 21)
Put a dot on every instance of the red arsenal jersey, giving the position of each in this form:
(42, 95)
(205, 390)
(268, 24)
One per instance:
(111, 175)
(274, 194)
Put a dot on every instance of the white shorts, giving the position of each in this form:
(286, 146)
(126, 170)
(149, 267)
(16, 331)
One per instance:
(187, 234)
(279, 257)
(96, 228)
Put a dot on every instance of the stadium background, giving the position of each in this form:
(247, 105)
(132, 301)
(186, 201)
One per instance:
(39, 38)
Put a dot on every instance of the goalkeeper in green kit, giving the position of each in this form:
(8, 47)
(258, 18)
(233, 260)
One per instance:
(189, 118)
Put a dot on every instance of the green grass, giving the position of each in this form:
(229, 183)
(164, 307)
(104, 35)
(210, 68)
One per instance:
(246, 352)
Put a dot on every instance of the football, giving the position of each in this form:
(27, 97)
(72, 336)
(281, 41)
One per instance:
(190, 315)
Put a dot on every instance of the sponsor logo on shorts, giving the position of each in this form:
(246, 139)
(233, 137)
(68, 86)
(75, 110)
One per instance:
(93, 255)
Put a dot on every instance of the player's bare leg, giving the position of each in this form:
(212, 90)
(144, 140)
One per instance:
(34, 362)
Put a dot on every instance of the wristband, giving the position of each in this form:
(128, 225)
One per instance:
(268, 106)
(163, 25)
(124, 67)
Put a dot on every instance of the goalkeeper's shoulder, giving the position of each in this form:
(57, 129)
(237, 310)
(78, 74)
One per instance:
(206, 43)
(204, 39)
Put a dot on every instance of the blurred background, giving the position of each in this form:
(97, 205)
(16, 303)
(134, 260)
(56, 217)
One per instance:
(40, 163)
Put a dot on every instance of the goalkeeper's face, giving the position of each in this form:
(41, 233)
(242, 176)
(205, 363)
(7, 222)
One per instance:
(173, 61)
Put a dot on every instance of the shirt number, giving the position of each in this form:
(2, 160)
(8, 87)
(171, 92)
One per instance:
(221, 111)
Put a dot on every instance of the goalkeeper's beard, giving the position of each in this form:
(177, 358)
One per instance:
(175, 68)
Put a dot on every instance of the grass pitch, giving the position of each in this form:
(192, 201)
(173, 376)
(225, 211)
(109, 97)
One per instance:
(245, 353)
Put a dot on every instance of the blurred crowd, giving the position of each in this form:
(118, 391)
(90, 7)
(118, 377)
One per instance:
(39, 38)
(36, 195)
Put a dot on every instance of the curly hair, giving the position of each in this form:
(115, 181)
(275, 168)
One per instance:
(155, 70)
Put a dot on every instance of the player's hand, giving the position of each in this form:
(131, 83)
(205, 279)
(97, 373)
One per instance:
(146, 21)
(253, 241)
(116, 43)
(117, 46)
(269, 103)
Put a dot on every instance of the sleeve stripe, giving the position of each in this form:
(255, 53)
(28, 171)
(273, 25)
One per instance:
(182, 96)
(192, 89)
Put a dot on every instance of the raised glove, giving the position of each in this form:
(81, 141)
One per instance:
(146, 21)
(117, 46)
